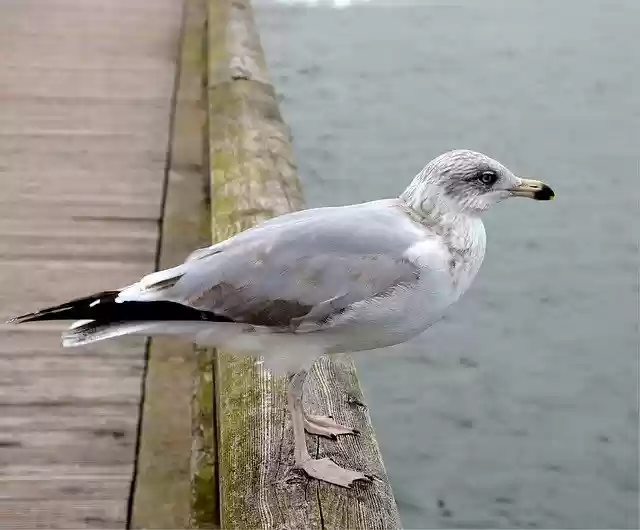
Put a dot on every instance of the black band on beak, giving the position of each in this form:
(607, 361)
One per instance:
(544, 194)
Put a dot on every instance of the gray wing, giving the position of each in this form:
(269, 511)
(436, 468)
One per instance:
(296, 272)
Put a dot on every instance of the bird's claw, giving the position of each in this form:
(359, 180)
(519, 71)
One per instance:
(327, 427)
(327, 470)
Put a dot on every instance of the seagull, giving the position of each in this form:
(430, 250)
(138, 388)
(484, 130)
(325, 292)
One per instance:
(318, 282)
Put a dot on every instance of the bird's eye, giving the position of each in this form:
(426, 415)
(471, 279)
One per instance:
(488, 177)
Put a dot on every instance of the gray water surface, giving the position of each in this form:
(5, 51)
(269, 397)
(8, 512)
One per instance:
(520, 408)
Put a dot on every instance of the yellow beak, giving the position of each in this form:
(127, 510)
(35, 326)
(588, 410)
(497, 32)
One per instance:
(534, 189)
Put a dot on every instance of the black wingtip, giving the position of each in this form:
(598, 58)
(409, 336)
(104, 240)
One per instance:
(104, 309)
(28, 317)
(20, 319)
(72, 310)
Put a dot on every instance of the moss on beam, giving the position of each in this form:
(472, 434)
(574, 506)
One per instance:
(204, 479)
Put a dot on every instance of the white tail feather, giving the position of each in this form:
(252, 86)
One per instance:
(279, 352)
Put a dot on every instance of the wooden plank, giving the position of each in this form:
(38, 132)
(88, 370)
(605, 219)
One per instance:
(22, 292)
(110, 418)
(85, 88)
(62, 113)
(63, 514)
(162, 495)
(37, 340)
(61, 487)
(97, 446)
(253, 178)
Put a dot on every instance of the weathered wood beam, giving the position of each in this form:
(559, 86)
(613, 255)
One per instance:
(253, 177)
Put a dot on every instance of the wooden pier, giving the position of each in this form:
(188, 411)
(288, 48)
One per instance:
(85, 99)
(132, 132)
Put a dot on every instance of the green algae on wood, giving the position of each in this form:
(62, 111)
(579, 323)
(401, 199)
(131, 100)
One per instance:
(252, 173)
(204, 464)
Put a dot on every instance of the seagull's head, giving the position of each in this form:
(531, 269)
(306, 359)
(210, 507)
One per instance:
(468, 182)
